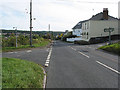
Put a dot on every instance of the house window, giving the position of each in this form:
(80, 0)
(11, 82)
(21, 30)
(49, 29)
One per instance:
(87, 35)
(83, 26)
(87, 25)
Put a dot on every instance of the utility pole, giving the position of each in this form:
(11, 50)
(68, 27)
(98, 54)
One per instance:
(49, 30)
(31, 23)
(15, 34)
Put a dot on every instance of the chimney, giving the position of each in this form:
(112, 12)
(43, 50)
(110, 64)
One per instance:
(105, 13)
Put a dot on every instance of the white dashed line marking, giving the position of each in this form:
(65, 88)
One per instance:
(80, 52)
(46, 64)
(84, 54)
(29, 51)
(48, 58)
(73, 49)
(108, 67)
(10, 52)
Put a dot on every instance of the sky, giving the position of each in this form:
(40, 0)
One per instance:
(60, 14)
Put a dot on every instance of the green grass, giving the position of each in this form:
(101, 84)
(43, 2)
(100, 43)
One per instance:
(114, 48)
(42, 44)
(17, 73)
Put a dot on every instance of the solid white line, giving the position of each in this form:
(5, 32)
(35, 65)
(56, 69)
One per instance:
(108, 67)
(84, 54)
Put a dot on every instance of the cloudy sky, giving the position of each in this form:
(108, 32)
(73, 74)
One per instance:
(60, 14)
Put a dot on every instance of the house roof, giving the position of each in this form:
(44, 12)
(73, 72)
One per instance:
(79, 25)
(98, 16)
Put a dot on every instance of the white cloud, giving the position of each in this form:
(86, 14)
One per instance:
(61, 14)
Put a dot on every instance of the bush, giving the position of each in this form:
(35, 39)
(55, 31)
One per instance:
(9, 42)
(21, 40)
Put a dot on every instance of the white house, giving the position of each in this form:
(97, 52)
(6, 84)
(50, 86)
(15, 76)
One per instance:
(94, 27)
(77, 29)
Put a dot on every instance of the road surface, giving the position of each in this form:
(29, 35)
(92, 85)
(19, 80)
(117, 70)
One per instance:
(81, 66)
(36, 55)
(74, 66)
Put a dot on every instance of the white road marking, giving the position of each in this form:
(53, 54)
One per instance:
(84, 54)
(108, 67)
(10, 52)
(73, 49)
(29, 51)
(48, 58)
(46, 65)
(47, 62)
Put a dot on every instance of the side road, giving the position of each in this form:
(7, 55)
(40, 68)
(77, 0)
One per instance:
(37, 55)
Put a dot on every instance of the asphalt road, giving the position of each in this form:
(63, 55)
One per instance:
(36, 55)
(78, 66)
(74, 66)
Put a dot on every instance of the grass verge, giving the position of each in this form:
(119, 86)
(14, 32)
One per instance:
(17, 73)
(113, 48)
(42, 44)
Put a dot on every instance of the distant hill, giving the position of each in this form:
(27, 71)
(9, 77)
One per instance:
(34, 32)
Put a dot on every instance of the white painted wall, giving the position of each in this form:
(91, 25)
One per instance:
(73, 39)
(77, 32)
(96, 28)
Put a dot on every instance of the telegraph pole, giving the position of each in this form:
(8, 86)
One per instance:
(15, 34)
(31, 23)
(49, 30)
